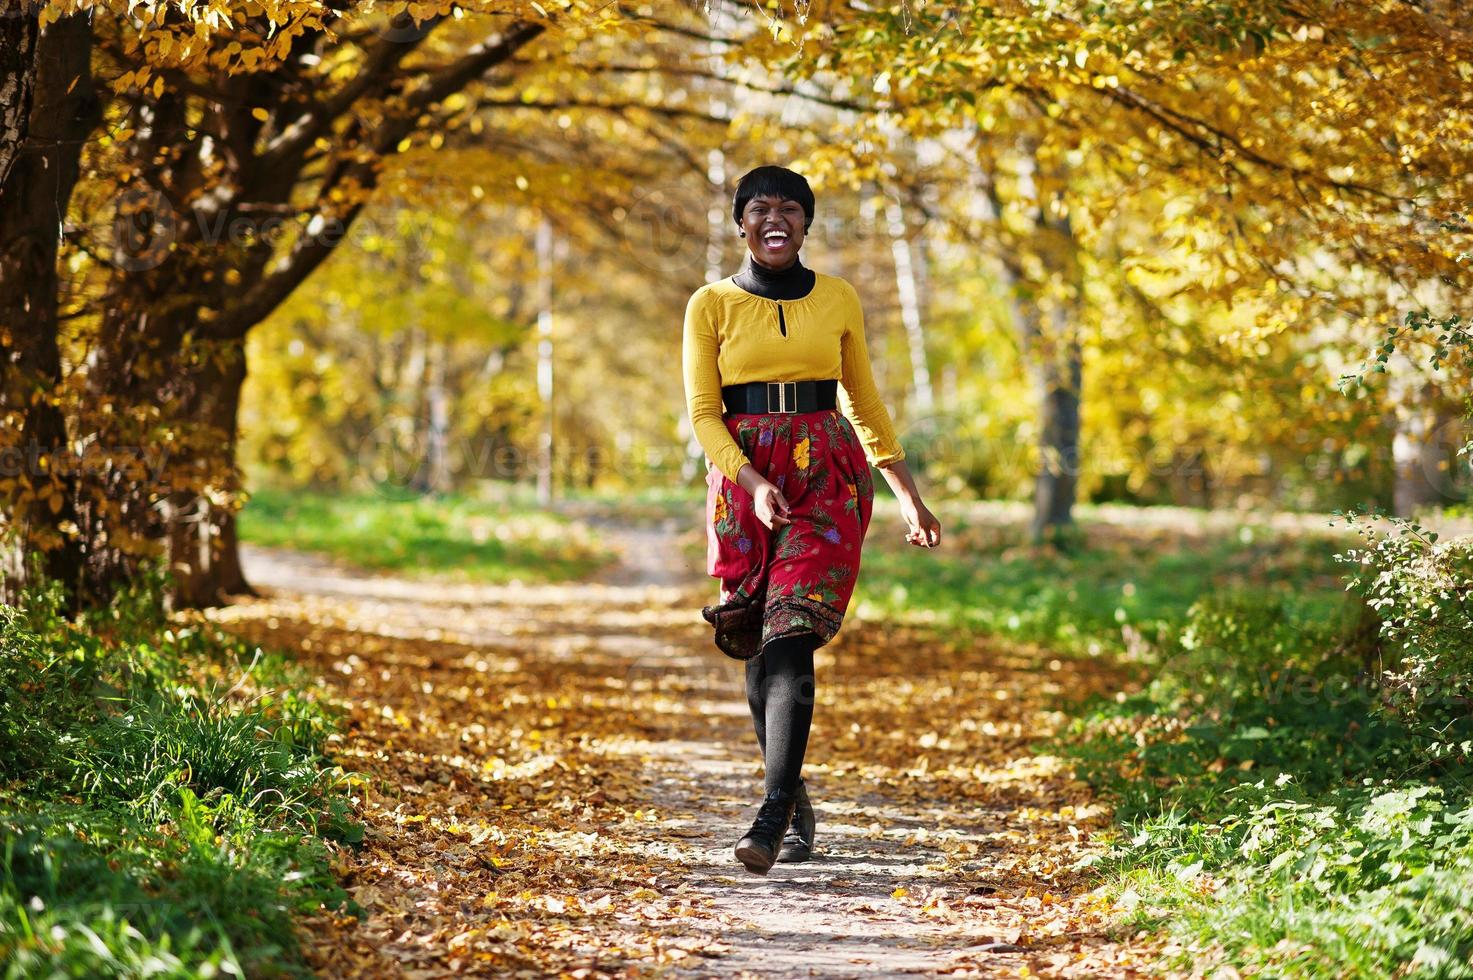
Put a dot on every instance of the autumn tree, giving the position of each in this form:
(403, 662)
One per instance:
(38, 481)
(239, 151)
(1320, 147)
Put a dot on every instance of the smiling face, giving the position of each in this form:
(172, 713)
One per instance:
(774, 227)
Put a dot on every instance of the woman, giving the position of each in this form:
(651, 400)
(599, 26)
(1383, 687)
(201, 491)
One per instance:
(789, 492)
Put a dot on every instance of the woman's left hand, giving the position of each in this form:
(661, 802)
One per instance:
(922, 528)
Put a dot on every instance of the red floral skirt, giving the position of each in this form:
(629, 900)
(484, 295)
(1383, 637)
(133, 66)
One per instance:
(800, 576)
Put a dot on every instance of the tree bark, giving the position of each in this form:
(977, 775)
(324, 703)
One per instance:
(204, 551)
(64, 112)
(1059, 376)
(19, 32)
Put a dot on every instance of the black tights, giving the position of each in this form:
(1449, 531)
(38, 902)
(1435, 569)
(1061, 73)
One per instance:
(780, 693)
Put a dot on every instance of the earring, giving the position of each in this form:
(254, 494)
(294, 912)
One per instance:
(741, 234)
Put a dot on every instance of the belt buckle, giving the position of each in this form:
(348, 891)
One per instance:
(787, 398)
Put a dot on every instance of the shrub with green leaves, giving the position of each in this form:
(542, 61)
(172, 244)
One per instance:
(1274, 815)
(1422, 592)
(1366, 880)
(154, 821)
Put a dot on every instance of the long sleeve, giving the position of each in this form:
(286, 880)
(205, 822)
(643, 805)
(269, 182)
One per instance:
(699, 348)
(859, 399)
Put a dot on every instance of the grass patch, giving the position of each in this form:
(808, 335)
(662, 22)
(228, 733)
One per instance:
(1272, 816)
(1121, 588)
(452, 536)
(165, 805)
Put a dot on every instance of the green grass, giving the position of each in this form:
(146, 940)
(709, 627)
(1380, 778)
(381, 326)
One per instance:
(649, 503)
(1121, 587)
(452, 536)
(165, 806)
(1300, 834)
(1272, 815)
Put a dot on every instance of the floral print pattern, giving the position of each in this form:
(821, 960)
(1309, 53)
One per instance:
(801, 576)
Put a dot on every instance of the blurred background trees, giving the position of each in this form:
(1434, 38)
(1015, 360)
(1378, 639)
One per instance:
(1108, 252)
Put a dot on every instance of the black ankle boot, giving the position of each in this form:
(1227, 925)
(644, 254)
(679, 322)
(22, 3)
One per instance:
(798, 841)
(758, 850)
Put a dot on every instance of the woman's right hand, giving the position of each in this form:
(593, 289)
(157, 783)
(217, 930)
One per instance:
(771, 506)
(767, 500)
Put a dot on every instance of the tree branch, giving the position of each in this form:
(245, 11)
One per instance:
(472, 65)
(376, 73)
(1179, 123)
(697, 73)
(314, 246)
(663, 110)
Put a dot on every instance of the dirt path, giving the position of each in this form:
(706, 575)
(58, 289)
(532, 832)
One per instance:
(552, 778)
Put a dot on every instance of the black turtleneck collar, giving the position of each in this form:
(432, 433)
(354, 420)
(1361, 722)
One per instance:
(794, 282)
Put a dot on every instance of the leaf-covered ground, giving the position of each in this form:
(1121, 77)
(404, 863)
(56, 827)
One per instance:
(553, 777)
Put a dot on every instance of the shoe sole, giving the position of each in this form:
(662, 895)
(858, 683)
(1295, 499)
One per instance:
(793, 855)
(754, 859)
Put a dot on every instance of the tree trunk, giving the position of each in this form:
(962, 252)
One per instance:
(1059, 372)
(19, 32)
(546, 389)
(204, 552)
(171, 381)
(1053, 355)
(64, 112)
(908, 259)
(434, 476)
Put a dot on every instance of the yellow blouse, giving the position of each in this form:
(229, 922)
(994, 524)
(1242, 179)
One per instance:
(732, 336)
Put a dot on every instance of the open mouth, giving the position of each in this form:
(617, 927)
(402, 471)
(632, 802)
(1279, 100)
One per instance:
(774, 239)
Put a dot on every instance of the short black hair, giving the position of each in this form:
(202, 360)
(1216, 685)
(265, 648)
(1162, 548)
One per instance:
(777, 182)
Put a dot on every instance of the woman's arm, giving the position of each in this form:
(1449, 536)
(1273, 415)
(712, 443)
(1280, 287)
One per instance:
(698, 352)
(897, 474)
(699, 349)
(922, 527)
(877, 431)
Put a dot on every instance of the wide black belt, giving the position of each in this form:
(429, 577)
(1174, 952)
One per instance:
(786, 397)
